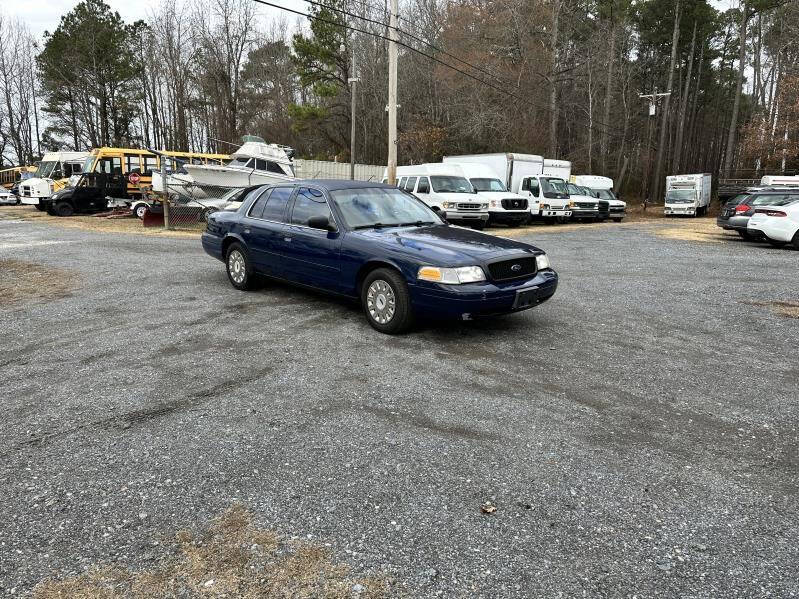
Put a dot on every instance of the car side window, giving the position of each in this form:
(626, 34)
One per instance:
(424, 185)
(309, 203)
(275, 208)
(401, 183)
(410, 184)
(258, 207)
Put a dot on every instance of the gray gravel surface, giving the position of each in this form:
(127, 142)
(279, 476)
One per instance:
(637, 433)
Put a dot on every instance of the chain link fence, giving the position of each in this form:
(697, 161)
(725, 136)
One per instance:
(191, 201)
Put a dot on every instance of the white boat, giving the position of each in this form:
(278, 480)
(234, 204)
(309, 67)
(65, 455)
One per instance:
(254, 163)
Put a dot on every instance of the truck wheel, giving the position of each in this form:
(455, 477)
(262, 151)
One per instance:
(140, 210)
(64, 209)
(386, 301)
(616, 220)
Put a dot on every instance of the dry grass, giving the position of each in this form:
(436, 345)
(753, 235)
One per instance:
(696, 229)
(788, 309)
(22, 282)
(94, 223)
(233, 558)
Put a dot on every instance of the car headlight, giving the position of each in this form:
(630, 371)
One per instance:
(448, 205)
(484, 206)
(451, 276)
(542, 262)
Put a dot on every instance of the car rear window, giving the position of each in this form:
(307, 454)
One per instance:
(775, 199)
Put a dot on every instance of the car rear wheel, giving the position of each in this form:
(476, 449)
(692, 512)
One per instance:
(795, 240)
(239, 268)
(64, 209)
(386, 301)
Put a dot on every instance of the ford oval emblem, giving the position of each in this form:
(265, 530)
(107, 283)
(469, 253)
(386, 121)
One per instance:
(516, 267)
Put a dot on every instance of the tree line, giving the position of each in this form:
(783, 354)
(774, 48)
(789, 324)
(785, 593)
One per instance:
(562, 78)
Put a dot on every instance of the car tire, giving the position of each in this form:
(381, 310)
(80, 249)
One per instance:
(239, 268)
(616, 220)
(775, 242)
(795, 240)
(40, 208)
(139, 210)
(64, 209)
(381, 289)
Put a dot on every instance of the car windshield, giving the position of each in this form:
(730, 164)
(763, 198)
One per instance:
(553, 184)
(775, 200)
(444, 184)
(680, 196)
(485, 184)
(381, 207)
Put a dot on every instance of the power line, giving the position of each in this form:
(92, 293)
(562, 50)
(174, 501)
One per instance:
(404, 45)
(410, 35)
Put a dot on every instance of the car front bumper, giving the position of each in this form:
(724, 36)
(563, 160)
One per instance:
(482, 299)
(554, 213)
(585, 213)
(675, 210)
(508, 216)
(455, 215)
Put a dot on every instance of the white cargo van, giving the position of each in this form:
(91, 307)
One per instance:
(444, 188)
(687, 194)
(602, 188)
(547, 196)
(52, 175)
(504, 207)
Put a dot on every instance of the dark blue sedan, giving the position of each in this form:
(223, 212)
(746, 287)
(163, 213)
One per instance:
(379, 244)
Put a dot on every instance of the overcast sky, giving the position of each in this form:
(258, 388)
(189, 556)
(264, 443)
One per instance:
(44, 15)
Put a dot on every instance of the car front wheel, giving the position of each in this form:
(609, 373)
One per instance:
(386, 301)
(239, 268)
(140, 210)
(64, 209)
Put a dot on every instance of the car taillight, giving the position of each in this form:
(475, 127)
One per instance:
(741, 208)
(776, 213)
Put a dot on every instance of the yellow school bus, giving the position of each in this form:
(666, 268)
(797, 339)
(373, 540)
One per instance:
(138, 165)
(11, 176)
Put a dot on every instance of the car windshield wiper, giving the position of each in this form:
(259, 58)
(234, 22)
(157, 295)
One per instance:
(417, 223)
(371, 226)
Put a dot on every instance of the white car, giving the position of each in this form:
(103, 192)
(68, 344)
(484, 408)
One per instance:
(6, 197)
(778, 222)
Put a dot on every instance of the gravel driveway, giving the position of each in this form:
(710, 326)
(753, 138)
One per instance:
(637, 433)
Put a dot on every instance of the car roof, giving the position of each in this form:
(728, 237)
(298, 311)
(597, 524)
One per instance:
(335, 184)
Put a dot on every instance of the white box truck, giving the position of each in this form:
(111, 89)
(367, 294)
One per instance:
(557, 168)
(602, 188)
(523, 174)
(687, 194)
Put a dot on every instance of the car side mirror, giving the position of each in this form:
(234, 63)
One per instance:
(320, 222)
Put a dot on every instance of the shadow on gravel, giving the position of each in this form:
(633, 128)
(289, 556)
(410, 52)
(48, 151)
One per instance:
(233, 558)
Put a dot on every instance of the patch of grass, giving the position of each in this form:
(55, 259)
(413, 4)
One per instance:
(232, 558)
(22, 282)
(788, 309)
(695, 229)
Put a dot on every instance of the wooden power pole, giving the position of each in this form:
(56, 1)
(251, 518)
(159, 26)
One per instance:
(392, 94)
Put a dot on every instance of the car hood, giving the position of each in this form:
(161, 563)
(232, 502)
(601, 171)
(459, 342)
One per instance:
(445, 245)
(459, 197)
(500, 195)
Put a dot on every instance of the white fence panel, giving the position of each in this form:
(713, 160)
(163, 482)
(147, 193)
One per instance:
(323, 169)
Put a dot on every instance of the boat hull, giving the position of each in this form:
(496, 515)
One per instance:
(229, 177)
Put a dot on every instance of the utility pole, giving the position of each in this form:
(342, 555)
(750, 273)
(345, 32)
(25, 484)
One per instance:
(392, 94)
(653, 99)
(352, 81)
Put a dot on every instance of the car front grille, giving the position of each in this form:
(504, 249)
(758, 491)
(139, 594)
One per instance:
(468, 206)
(514, 204)
(517, 268)
(586, 205)
(617, 208)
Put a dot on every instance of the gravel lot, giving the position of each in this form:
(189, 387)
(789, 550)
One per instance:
(637, 433)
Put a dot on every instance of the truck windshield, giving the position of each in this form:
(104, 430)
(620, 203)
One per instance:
(444, 184)
(46, 169)
(481, 184)
(554, 185)
(604, 194)
(680, 196)
(88, 166)
(576, 191)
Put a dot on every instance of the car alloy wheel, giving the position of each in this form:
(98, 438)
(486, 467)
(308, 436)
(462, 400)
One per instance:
(237, 267)
(381, 301)
(140, 211)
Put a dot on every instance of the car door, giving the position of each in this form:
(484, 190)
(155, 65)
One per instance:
(312, 255)
(263, 231)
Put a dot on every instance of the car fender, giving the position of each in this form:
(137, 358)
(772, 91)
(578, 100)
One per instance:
(231, 237)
